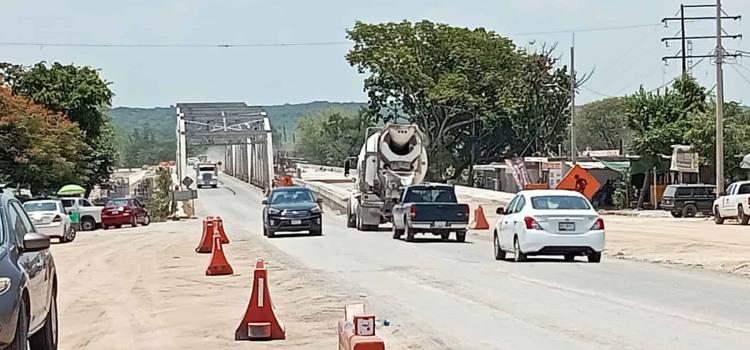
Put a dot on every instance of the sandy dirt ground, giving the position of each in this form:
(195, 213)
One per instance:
(145, 288)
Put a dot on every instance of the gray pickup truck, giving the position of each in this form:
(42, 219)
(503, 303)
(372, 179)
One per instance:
(430, 208)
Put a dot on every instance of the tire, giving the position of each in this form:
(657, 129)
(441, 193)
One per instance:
(717, 216)
(595, 257)
(499, 252)
(133, 221)
(409, 235)
(445, 236)
(118, 226)
(105, 227)
(461, 236)
(318, 231)
(88, 224)
(70, 236)
(20, 339)
(519, 255)
(676, 214)
(396, 232)
(570, 257)
(215, 186)
(351, 220)
(46, 338)
(270, 233)
(265, 230)
(689, 210)
(147, 220)
(741, 217)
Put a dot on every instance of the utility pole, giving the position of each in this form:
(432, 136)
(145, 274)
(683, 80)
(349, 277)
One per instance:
(572, 102)
(718, 56)
(719, 103)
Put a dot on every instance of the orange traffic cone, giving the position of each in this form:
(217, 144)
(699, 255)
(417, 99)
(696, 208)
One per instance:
(206, 243)
(222, 233)
(219, 264)
(480, 221)
(260, 321)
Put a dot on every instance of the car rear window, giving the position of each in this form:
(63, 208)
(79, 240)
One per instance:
(69, 203)
(430, 195)
(39, 206)
(117, 203)
(560, 203)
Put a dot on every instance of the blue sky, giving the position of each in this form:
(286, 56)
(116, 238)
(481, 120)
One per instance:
(620, 59)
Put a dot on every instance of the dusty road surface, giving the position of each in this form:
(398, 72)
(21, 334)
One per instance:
(145, 288)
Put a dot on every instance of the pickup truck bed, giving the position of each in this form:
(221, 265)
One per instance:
(430, 209)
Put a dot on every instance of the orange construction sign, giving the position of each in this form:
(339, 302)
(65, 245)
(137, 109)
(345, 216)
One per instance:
(579, 180)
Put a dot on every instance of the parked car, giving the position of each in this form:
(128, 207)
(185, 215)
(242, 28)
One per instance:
(734, 203)
(50, 218)
(549, 222)
(28, 282)
(430, 209)
(125, 211)
(90, 215)
(687, 200)
(292, 209)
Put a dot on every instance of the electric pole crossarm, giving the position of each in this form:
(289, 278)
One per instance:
(668, 19)
(713, 37)
(698, 56)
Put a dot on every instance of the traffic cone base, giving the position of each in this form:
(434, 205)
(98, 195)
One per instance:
(206, 243)
(480, 221)
(357, 330)
(219, 264)
(260, 321)
(220, 224)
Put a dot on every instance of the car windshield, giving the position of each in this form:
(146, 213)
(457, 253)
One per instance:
(291, 196)
(117, 203)
(39, 206)
(560, 203)
(207, 168)
(670, 191)
(430, 194)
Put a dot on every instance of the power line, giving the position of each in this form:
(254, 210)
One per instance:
(596, 92)
(740, 73)
(291, 44)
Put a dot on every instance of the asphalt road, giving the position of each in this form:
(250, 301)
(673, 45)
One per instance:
(456, 296)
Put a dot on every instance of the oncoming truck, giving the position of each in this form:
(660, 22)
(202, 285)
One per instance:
(392, 157)
(207, 174)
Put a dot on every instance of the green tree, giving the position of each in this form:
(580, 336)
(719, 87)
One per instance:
(602, 124)
(330, 137)
(83, 96)
(38, 147)
(462, 87)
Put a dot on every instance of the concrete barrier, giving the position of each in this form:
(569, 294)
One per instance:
(335, 199)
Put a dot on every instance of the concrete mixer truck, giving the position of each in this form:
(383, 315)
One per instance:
(392, 157)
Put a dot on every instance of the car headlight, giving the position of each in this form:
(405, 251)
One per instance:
(315, 210)
(4, 285)
(273, 211)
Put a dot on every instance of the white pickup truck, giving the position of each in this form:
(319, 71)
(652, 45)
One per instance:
(91, 215)
(734, 203)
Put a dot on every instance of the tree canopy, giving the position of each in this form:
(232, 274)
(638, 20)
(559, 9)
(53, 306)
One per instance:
(462, 86)
(329, 137)
(603, 124)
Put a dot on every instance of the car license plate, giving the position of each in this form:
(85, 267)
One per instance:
(115, 212)
(440, 224)
(567, 226)
(296, 222)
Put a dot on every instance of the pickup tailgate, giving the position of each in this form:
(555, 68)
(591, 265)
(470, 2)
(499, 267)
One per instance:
(439, 212)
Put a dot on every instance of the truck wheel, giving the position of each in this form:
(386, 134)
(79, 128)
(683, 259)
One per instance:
(351, 220)
(741, 217)
(409, 235)
(595, 257)
(397, 233)
(689, 211)
(88, 224)
(461, 236)
(676, 214)
(445, 236)
(717, 216)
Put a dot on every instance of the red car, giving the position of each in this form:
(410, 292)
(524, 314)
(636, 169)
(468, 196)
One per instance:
(124, 211)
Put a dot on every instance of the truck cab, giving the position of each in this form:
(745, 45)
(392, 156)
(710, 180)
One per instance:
(734, 203)
(207, 174)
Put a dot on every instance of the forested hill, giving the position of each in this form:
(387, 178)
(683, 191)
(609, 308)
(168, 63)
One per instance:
(147, 135)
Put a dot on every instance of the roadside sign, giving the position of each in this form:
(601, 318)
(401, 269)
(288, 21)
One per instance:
(184, 195)
(579, 180)
(187, 181)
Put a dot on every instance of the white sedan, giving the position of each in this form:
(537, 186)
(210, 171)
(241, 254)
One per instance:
(549, 222)
(49, 218)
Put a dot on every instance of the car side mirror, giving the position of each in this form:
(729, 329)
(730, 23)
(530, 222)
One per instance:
(347, 167)
(500, 211)
(264, 202)
(34, 242)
